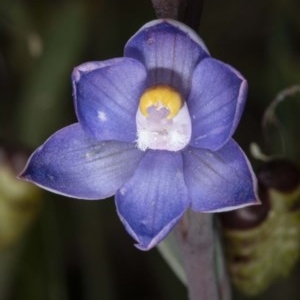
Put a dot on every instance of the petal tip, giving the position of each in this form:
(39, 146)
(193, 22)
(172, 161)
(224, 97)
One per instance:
(22, 176)
(253, 199)
(75, 75)
(150, 243)
(25, 173)
(179, 26)
(146, 242)
(85, 68)
(145, 247)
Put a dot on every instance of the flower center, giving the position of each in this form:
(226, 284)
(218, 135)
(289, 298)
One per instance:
(161, 96)
(163, 121)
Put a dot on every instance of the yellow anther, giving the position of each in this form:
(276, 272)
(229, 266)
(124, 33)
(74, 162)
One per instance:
(161, 96)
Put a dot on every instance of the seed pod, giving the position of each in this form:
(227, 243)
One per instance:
(262, 243)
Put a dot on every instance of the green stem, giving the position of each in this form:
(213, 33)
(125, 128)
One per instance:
(196, 240)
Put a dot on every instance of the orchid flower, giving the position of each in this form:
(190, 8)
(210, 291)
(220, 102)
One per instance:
(154, 129)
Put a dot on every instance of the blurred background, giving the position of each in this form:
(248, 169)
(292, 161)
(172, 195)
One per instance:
(53, 247)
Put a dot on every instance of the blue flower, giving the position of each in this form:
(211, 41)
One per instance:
(154, 129)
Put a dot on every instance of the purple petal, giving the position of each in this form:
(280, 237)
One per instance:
(153, 200)
(170, 51)
(219, 181)
(72, 164)
(107, 96)
(216, 103)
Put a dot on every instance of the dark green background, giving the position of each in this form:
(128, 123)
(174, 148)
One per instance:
(78, 250)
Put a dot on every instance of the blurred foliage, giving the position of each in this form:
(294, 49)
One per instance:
(262, 243)
(79, 249)
(19, 202)
(280, 130)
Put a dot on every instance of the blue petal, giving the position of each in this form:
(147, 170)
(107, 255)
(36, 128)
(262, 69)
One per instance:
(106, 97)
(219, 181)
(153, 200)
(216, 103)
(169, 50)
(72, 164)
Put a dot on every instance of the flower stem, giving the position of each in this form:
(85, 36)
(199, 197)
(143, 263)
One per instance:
(186, 11)
(196, 239)
(173, 9)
